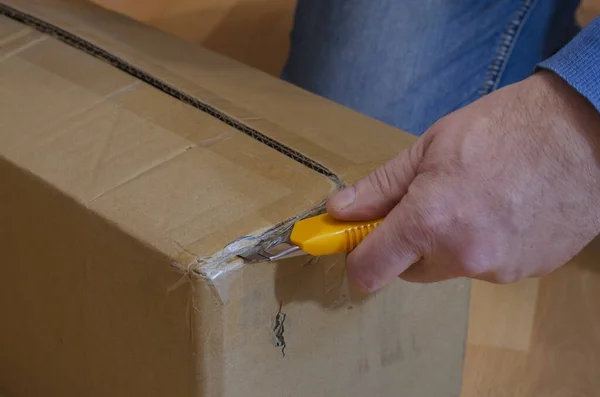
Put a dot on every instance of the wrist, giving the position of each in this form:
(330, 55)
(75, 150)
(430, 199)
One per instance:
(570, 110)
(567, 129)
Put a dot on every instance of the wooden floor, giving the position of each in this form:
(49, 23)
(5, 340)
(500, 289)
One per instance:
(537, 338)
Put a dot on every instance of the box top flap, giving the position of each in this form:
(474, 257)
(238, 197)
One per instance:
(183, 148)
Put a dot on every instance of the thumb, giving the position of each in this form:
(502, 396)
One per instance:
(374, 196)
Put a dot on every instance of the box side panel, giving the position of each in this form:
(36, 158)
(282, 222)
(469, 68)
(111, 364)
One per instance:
(408, 340)
(86, 310)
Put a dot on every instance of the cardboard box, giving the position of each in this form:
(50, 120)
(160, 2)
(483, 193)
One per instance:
(134, 168)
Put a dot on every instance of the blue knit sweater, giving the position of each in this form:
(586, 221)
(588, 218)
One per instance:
(578, 63)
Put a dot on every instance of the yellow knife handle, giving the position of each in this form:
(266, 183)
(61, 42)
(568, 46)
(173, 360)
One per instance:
(324, 235)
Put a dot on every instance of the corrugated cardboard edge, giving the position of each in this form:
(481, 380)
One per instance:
(216, 267)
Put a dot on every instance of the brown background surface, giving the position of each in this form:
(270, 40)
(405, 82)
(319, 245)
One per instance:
(537, 338)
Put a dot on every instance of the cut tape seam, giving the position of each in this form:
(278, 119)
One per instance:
(97, 52)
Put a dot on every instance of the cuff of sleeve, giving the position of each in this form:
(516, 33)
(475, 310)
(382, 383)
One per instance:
(578, 63)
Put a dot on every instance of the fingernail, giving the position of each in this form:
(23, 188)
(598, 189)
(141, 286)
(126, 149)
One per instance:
(343, 199)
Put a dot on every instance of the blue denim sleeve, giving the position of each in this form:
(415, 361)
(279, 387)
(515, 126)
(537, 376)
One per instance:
(578, 63)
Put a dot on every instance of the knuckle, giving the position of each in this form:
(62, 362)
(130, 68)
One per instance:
(443, 124)
(397, 240)
(435, 221)
(432, 223)
(478, 262)
(398, 243)
(414, 233)
(381, 182)
(472, 268)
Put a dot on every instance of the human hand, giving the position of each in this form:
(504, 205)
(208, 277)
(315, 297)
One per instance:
(503, 189)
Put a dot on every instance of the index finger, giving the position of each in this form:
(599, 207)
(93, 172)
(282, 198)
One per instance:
(387, 251)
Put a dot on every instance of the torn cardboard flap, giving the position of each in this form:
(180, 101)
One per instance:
(218, 266)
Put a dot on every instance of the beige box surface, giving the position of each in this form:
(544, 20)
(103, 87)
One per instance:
(134, 168)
